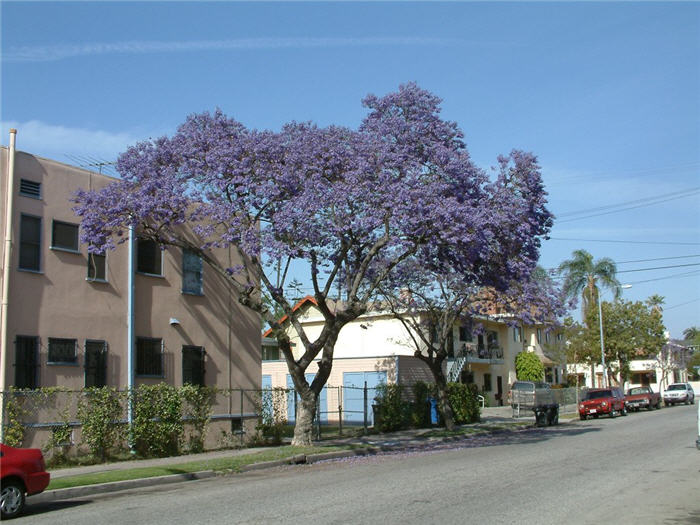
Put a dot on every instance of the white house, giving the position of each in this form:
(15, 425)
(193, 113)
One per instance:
(656, 370)
(376, 348)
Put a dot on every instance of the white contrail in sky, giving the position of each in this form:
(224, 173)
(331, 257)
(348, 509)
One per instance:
(63, 51)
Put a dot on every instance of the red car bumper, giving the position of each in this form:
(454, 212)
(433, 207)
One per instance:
(37, 482)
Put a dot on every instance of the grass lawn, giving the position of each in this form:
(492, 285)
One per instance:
(232, 464)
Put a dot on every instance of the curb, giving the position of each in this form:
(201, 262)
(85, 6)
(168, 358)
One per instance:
(115, 486)
(300, 459)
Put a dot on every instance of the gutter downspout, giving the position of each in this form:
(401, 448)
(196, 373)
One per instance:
(7, 261)
(130, 339)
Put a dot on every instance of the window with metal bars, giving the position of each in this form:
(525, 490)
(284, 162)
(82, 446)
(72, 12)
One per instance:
(95, 364)
(62, 351)
(149, 357)
(193, 365)
(26, 361)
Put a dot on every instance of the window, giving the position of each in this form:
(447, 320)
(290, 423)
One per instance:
(517, 334)
(191, 272)
(97, 267)
(193, 365)
(62, 351)
(29, 188)
(95, 364)
(549, 374)
(492, 339)
(149, 257)
(539, 335)
(547, 337)
(64, 236)
(30, 243)
(149, 357)
(465, 333)
(270, 353)
(487, 382)
(26, 361)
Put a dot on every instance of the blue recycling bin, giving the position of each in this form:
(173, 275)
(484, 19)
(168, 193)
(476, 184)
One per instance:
(433, 411)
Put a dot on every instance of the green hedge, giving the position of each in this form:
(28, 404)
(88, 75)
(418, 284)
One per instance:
(394, 410)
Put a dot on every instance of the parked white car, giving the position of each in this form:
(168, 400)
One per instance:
(679, 393)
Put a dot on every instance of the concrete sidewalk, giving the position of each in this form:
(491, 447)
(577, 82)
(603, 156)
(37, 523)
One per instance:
(491, 419)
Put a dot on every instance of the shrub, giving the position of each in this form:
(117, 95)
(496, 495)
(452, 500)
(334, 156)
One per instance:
(15, 412)
(272, 424)
(393, 413)
(528, 367)
(464, 403)
(99, 412)
(197, 409)
(420, 410)
(157, 420)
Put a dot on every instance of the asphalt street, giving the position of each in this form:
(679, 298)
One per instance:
(640, 469)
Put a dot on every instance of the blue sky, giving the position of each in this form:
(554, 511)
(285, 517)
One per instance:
(606, 94)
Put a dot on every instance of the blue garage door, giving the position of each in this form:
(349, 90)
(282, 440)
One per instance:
(354, 396)
(266, 390)
(291, 409)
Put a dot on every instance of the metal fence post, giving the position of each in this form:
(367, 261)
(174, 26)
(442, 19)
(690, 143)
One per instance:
(340, 411)
(365, 409)
(241, 416)
(318, 419)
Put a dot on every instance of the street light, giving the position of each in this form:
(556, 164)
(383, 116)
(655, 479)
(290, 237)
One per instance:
(602, 343)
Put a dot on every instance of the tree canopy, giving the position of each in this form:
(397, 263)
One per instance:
(351, 204)
(583, 275)
(632, 330)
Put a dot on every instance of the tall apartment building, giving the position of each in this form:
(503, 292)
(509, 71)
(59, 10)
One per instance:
(67, 310)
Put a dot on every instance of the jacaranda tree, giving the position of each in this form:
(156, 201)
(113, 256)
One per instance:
(352, 204)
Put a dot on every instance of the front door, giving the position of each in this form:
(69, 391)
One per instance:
(499, 390)
(95, 364)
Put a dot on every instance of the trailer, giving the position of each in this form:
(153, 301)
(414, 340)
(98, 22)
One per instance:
(536, 397)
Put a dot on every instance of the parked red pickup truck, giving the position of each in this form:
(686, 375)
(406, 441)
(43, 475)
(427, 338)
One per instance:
(642, 397)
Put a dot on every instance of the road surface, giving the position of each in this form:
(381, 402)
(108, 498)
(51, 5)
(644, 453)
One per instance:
(639, 469)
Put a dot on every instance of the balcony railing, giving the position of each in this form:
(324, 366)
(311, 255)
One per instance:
(475, 352)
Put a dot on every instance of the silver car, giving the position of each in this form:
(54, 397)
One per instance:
(679, 393)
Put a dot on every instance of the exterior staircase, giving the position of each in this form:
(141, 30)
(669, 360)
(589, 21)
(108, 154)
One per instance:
(456, 368)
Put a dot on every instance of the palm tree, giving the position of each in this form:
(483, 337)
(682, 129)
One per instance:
(583, 275)
(692, 334)
(655, 302)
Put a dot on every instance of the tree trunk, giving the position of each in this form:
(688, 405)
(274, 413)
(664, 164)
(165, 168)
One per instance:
(306, 410)
(445, 408)
(442, 399)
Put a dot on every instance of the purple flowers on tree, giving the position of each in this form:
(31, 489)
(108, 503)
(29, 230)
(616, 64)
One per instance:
(355, 205)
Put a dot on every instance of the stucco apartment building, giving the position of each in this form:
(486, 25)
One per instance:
(375, 348)
(67, 321)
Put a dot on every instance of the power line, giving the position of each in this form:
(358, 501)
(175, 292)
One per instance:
(626, 242)
(682, 304)
(657, 259)
(680, 193)
(628, 208)
(587, 176)
(659, 268)
(674, 276)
